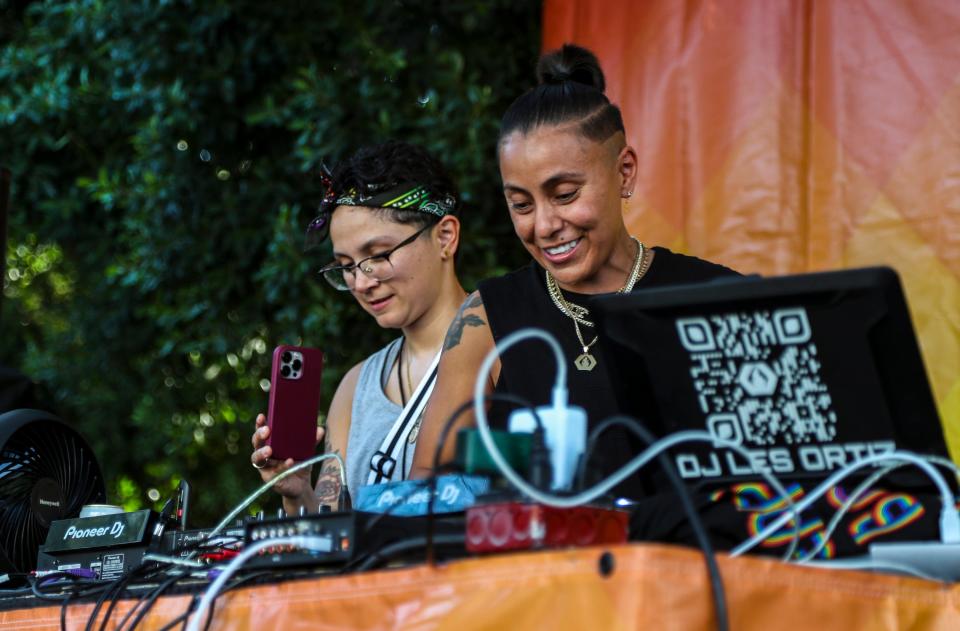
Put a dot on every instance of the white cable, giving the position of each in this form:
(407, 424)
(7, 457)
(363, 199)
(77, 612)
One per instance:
(162, 558)
(869, 564)
(860, 491)
(945, 463)
(854, 497)
(302, 542)
(949, 518)
(559, 386)
(269, 484)
(560, 395)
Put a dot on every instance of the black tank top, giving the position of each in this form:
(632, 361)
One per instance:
(519, 299)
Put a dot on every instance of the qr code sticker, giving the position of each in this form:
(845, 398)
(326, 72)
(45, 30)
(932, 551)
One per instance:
(757, 377)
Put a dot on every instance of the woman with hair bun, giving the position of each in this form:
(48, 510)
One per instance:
(390, 211)
(566, 169)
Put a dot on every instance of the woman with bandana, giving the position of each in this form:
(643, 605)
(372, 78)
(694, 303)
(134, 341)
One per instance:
(390, 212)
(566, 169)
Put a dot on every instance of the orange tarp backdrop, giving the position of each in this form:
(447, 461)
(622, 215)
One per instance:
(650, 587)
(783, 136)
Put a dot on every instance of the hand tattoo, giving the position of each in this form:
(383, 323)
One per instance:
(455, 332)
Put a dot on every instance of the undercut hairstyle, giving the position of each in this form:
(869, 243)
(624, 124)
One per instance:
(571, 90)
(386, 165)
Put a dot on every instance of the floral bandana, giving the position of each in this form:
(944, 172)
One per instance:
(404, 196)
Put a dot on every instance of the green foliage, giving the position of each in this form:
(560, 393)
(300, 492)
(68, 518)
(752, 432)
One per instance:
(163, 154)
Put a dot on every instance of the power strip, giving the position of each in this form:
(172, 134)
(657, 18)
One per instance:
(933, 558)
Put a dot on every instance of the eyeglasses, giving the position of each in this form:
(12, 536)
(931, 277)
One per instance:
(377, 267)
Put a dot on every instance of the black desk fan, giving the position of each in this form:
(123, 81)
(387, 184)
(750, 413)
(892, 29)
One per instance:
(47, 472)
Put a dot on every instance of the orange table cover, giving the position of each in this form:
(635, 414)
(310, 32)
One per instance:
(650, 587)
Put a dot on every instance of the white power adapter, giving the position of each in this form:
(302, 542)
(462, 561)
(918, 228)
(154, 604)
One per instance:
(566, 436)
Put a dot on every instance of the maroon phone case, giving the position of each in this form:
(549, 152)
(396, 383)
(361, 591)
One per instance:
(294, 403)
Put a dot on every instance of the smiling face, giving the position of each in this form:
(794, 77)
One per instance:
(357, 233)
(564, 194)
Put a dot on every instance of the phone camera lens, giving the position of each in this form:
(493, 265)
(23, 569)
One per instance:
(297, 364)
(286, 357)
(285, 371)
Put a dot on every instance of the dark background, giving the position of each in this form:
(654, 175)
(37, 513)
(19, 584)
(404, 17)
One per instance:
(164, 158)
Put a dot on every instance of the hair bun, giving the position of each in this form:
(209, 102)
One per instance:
(570, 63)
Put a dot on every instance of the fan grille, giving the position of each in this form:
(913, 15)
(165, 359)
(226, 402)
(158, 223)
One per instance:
(39, 451)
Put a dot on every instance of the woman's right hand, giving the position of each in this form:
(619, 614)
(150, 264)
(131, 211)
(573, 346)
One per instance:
(295, 486)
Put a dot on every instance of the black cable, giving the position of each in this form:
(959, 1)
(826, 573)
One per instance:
(541, 469)
(64, 599)
(185, 616)
(699, 530)
(86, 587)
(35, 589)
(418, 486)
(116, 592)
(149, 602)
(210, 610)
(406, 545)
(19, 591)
(463, 407)
(52, 579)
(226, 588)
(65, 604)
(444, 435)
(112, 591)
(63, 613)
(15, 578)
(182, 618)
(55, 578)
(204, 545)
(432, 480)
(130, 612)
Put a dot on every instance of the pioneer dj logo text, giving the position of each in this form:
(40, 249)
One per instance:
(116, 530)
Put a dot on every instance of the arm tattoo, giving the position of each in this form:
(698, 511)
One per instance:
(328, 482)
(455, 332)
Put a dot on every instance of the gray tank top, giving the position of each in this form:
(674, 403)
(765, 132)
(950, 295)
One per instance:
(372, 417)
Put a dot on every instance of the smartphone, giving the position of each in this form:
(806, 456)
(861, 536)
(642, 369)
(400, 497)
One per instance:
(294, 402)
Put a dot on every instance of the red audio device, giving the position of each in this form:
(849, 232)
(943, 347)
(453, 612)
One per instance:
(522, 526)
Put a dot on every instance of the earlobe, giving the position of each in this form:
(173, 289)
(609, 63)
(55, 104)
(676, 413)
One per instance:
(628, 168)
(448, 234)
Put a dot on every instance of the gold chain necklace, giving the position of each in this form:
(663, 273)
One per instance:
(579, 314)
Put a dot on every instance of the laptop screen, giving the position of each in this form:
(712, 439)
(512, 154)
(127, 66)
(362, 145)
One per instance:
(807, 372)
